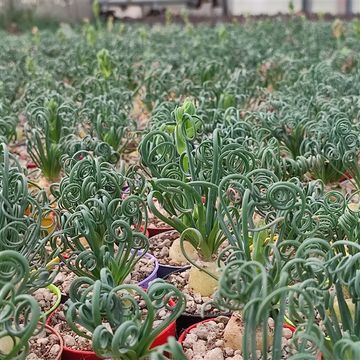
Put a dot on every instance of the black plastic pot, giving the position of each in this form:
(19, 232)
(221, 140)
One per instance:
(165, 270)
(186, 319)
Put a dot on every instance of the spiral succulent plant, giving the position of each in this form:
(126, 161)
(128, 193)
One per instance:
(20, 311)
(111, 317)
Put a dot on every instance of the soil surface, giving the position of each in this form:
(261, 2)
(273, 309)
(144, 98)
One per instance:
(194, 301)
(71, 339)
(45, 298)
(206, 342)
(142, 270)
(160, 245)
(44, 346)
(76, 342)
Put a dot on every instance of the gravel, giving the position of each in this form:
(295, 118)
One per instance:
(205, 342)
(142, 270)
(45, 345)
(160, 246)
(194, 301)
(45, 298)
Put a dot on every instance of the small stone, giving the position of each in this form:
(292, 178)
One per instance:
(190, 339)
(198, 357)
(202, 332)
(197, 298)
(219, 343)
(258, 354)
(32, 356)
(237, 357)
(42, 341)
(167, 243)
(164, 252)
(69, 340)
(199, 347)
(189, 354)
(54, 350)
(49, 297)
(60, 278)
(271, 323)
(162, 314)
(229, 351)
(287, 333)
(214, 354)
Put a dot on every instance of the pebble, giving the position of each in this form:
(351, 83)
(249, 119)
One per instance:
(162, 314)
(190, 340)
(287, 333)
(214, 354)
(199, 347)
(197, 298)
(164, 252)
(54, 350)
(219, 343)
(237, 357)
(69, 340)
(32, 356)
(229, 352)
(42, 341)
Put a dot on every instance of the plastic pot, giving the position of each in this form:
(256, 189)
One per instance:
(186, 331)
(145, 283)
(186, 320)
(61, 341)
(154, 230)
(71, 354)
(56, 291)
(165, 270)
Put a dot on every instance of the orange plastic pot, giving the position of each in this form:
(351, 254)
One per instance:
(48, 222)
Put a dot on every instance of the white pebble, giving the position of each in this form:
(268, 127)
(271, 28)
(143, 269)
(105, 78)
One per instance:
(214, 354)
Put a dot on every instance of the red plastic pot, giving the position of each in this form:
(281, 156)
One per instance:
(61, 341)
(185, 332)
(71, 354)
(344, 177)
(153, 230)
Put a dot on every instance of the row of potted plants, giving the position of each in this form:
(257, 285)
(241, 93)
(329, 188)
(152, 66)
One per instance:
(260, 247)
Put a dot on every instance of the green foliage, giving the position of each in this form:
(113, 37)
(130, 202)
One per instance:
(111, 314)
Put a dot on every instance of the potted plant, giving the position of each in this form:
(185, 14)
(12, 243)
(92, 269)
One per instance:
(103, 226)
(22, 224)
(110, 316)
(329, 279)
(22, 316)
(50, 118)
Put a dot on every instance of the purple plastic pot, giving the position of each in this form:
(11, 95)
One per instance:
(145, 283)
